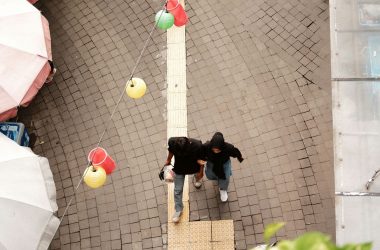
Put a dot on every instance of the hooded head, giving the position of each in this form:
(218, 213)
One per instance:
(217, 143)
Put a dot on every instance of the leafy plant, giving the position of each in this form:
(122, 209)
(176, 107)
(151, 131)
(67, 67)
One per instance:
(307, 241)
(271, 230)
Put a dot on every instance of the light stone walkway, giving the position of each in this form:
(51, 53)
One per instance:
(186, 235)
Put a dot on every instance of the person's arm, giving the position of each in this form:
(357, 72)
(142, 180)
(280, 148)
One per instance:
(203, 152)
(235, 152)
(199, 175)
(169, 159)
(201, 162)
(170, 151)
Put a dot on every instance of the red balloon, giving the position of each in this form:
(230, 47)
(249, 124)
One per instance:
(99, 157)
(176, 9)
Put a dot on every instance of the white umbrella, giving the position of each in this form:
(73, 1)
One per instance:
(27, 198)
(25, 48)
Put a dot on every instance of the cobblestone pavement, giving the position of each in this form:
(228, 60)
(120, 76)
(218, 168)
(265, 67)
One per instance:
(257, 71)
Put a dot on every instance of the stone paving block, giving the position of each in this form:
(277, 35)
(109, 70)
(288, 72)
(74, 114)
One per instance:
(176, 102)
(200, 245)
(177, 119)
(221, 230)
(179, 233)
(174, 84)
(178, 131)
(175, 51)
(223, 245)
(182, 246)
(175, 67)
(175, 37)
(200, 232)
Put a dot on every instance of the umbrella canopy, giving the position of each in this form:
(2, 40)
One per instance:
(27, 198)
(25, 48)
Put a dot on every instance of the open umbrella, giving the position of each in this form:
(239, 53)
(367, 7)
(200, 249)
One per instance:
(27, 198)
(25, 48)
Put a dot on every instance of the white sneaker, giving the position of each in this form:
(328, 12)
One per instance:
(223, 195)
(51, 75)
(176, 217)
(197, 184)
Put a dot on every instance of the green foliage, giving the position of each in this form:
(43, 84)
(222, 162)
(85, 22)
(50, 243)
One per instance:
(285, 245)
(308, 241)
(271, 230)
(363, 246)
(313, 241)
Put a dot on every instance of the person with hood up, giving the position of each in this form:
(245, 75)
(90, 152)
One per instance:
(217, 152)
(187, 154)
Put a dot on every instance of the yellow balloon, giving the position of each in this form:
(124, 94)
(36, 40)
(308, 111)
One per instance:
(95, 176)
(135, 88)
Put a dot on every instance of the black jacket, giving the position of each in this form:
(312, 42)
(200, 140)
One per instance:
(185, 159)
(227, 150)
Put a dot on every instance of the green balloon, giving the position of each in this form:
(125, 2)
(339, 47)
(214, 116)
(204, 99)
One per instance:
(164, 20)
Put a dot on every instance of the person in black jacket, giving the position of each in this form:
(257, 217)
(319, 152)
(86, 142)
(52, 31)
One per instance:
(217, 152)
(187, 154)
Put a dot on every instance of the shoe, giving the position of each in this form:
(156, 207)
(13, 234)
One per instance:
(51, 75)
(223, 195)
(176, 217)
(197, 184)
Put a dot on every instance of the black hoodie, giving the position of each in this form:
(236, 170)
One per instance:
(186, 155)
(227, 150)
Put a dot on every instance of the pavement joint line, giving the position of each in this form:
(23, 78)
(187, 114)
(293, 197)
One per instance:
(177, 126)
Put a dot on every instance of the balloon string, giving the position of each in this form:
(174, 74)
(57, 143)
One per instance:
(113, 113)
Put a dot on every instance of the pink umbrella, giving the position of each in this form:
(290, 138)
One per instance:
(25, 48)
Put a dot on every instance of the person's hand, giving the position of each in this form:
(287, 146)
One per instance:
(241, 159)
(201, 162)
